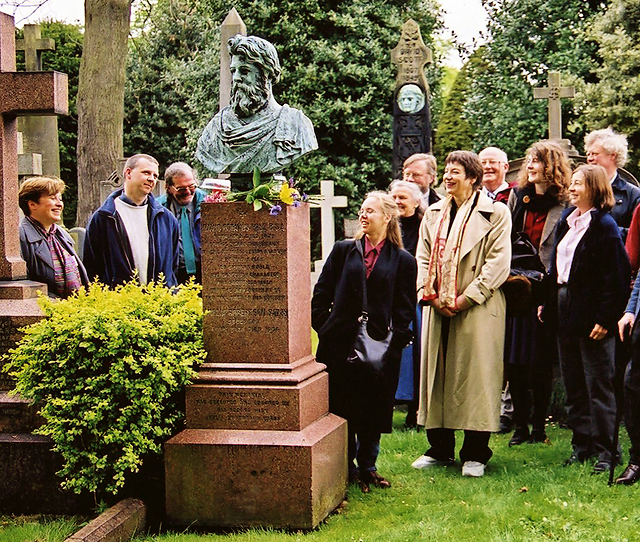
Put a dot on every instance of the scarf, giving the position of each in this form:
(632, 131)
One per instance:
(442, 275)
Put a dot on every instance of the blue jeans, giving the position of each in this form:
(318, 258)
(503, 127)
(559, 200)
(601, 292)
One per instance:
(363, 447)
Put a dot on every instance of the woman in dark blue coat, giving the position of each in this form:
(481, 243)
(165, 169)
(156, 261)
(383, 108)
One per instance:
(365, 400)
(591, 275)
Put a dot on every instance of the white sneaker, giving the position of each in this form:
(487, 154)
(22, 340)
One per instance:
(426, 461)
(473, 469)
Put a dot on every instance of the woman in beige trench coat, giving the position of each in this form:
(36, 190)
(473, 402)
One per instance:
(464, 256)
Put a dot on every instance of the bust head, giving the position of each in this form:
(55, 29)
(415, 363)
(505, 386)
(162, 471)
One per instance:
(254, 68)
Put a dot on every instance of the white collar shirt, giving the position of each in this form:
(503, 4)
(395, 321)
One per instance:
(578, 225)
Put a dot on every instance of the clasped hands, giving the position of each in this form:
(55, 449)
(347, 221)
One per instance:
(462, 304)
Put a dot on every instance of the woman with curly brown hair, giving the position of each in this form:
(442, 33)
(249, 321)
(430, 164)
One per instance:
(536, 207)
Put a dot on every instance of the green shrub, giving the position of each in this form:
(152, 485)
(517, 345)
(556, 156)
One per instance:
(108, 366)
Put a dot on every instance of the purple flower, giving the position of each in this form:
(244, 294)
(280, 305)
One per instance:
(275, 210)
(296, 203)
(305, 197)
(291, 182)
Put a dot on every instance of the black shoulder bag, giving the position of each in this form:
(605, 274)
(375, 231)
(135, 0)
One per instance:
(368, 354)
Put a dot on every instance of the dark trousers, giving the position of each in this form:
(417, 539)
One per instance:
(587, 368)
(632, 396)
(474, 448)
(530, 388)
(363, 447)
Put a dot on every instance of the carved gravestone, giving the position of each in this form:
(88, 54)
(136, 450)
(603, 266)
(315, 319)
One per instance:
(411, 110)
(261, 448)
(28, 483)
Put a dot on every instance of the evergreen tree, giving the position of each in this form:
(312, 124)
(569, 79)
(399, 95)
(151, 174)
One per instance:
(527, 39)
(614, 98)
(336, 68)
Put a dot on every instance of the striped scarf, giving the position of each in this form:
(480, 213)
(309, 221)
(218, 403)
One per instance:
(65, 267)
(442, 275)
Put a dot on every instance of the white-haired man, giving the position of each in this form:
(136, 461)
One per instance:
(609, 150)
(421, 169)
(495, 166)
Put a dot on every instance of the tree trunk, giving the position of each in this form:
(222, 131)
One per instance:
(100, 98)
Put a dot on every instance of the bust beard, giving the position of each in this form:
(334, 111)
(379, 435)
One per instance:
(247, 100)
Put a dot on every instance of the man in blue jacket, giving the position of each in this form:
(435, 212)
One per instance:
(183, 199)
(132, 232)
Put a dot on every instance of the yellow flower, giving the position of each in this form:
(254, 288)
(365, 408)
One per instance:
(287, 193)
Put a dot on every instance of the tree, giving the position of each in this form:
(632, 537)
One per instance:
(336, 68)
(527, 39)
(101, 98)
(613, 98)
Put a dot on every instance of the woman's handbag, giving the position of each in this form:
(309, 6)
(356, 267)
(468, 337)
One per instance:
(526, 276)
(368, 354)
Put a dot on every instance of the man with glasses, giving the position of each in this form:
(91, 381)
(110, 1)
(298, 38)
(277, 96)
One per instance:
(183, 199)
(495, 166)
(609, 150)
(421, 169)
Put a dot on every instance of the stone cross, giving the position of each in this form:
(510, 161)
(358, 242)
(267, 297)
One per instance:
(327, 222)
(40, 132)
(20, 93)
(231, 26)
(554, 92)
(33, 45)
(411, 55)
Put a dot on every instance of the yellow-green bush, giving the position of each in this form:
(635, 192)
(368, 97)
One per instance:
(106, 366)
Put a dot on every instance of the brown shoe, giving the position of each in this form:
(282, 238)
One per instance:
(373, 478)
(630, 475)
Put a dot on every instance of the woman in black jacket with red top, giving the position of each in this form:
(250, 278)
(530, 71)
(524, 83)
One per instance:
(591, 276)
(365, 400)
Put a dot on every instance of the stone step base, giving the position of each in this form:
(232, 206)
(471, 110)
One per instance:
(17, 415)
(279, 479)
(28, 481)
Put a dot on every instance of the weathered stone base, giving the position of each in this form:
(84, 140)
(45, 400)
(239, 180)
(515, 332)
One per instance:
(28, 480)
(280, 479)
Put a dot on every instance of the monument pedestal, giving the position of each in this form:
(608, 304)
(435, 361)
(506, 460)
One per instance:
(260, 448)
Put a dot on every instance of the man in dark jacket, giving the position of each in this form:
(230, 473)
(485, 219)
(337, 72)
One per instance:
(609, 150)
(131, 232)
(183, 199)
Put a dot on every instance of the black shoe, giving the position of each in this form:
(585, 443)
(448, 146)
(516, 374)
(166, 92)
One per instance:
(374, 479)
(505, 425)
(630, 475)
(601, 466)
(520, 436)
(573, 459)
(539, 435)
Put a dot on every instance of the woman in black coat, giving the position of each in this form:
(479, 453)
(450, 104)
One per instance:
(365, 400)
(590, 274)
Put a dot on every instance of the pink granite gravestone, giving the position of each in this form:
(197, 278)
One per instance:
(27, 466)
(260, 448)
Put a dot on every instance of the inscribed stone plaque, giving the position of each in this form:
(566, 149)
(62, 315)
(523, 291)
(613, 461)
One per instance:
(256, 284)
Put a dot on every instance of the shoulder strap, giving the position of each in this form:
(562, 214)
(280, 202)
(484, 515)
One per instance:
(365, 305)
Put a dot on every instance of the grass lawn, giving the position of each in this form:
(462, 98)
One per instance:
(526, 495)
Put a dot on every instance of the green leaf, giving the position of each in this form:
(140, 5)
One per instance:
(256, 177)
(257, 205)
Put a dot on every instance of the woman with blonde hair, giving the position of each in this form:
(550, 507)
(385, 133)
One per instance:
(372, 267)
(536, 206)
(590, 274)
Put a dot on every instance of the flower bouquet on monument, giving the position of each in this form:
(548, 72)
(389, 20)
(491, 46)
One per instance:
(272, 194)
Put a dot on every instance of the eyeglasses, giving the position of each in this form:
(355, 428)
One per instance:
(490, 162)
(185, 189)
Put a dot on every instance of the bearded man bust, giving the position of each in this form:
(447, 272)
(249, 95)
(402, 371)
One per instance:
(254, 130)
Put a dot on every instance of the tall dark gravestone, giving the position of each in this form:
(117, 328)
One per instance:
(411, 109)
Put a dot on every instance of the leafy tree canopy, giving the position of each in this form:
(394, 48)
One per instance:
(336, 68)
